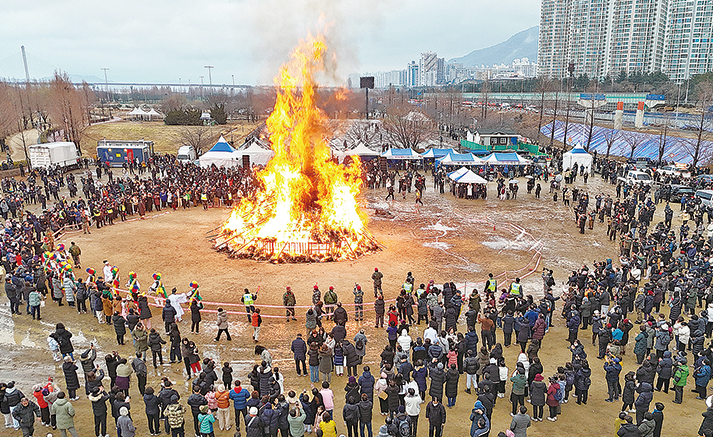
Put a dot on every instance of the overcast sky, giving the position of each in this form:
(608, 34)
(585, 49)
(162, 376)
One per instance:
(164, 40)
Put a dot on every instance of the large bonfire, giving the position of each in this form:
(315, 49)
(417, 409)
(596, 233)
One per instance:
(305, 208)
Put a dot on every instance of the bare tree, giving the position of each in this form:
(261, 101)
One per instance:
(407, 128)
(705, 95)
(196, 136)
(611, 136)
(68, 108)
(633, 139)
(365, 132)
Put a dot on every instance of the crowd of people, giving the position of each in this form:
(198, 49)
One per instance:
(658, 287)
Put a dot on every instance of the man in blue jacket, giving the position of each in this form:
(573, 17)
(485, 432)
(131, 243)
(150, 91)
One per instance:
(239, 396)
(612, 369)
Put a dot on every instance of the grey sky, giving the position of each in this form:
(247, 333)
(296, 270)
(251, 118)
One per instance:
(164, 40)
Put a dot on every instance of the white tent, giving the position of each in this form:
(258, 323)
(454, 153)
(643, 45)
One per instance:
(138, 113)
(361, 150)
(221, 154)
(258, 155)
(458, 173)
(152, 113)
(579, 156)
(469, 177)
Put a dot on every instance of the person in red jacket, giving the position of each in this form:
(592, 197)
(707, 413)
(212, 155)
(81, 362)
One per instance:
(256, 322)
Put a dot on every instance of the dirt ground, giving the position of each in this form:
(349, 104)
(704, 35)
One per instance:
(446, 240)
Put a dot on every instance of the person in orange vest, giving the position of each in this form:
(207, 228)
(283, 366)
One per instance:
(256, 322)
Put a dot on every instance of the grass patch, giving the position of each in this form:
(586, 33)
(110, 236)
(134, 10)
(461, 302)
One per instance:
(167, 139)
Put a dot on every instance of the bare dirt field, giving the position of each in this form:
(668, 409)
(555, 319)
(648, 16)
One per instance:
(446, 240)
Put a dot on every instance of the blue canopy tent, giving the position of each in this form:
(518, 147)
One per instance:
(401, 154)
(509, 158)
(459, 159)
(436, 153)
(677, 149)
(221, 154)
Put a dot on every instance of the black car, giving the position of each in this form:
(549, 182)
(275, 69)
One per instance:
(678, 191)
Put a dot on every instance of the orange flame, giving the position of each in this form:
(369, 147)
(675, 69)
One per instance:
(307, 207)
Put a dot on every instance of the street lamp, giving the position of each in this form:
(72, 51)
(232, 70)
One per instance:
(210, 79)
(106, 85)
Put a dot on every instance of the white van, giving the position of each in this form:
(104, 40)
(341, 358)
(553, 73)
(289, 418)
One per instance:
(186, 154)
(706, 197)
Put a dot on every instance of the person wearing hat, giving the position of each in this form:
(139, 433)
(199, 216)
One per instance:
(108, 274)
(124, 424)
(289, 301)
(248, 300)
(358, 303)
(680, 375)
(330, 300)
(377, 276)
(64, 412)
(538, 397)
(174, 416)
(206, 420)
(253, 424)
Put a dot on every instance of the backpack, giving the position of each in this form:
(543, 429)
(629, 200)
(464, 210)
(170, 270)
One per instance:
(404, 429)
(559, 394)
(550, 281)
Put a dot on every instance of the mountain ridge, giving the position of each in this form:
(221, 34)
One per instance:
(520, 45)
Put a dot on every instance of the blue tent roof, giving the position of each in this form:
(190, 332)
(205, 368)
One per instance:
(436, 153)
(578, 150)
(401, 154)
(222, 146)
(677, 149)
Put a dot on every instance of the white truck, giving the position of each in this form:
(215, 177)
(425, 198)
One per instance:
(634, 177)
(186, 154)
(60, 154)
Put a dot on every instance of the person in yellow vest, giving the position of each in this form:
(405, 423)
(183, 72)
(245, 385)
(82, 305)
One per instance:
(516, 288)
(491, 285)
(248, 300)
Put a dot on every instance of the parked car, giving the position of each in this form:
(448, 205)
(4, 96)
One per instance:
(672, 170)
(678, 191)
(706, 197)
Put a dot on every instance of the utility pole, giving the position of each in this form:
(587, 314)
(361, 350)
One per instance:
(210, 79)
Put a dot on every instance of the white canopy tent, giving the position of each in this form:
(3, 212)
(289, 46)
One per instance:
(577, 156)
(458, 173)
(361, 150)
(152, 113)
(221, 154)
(258, 155)
(469, 177)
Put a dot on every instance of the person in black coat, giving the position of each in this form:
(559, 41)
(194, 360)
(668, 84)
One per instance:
(196, 315)
(658, 418)
(119, 327)
(70, 377)
(299, 353)
(168, 314)
(153, 410)
(438, 378)
(436, 415)
(64, 340)
(351, 357)
(452, 377)
(132, 319)
(98, 398)
(145, 311)
(93, 380)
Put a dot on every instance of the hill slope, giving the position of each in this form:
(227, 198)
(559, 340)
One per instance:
(521, 45)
